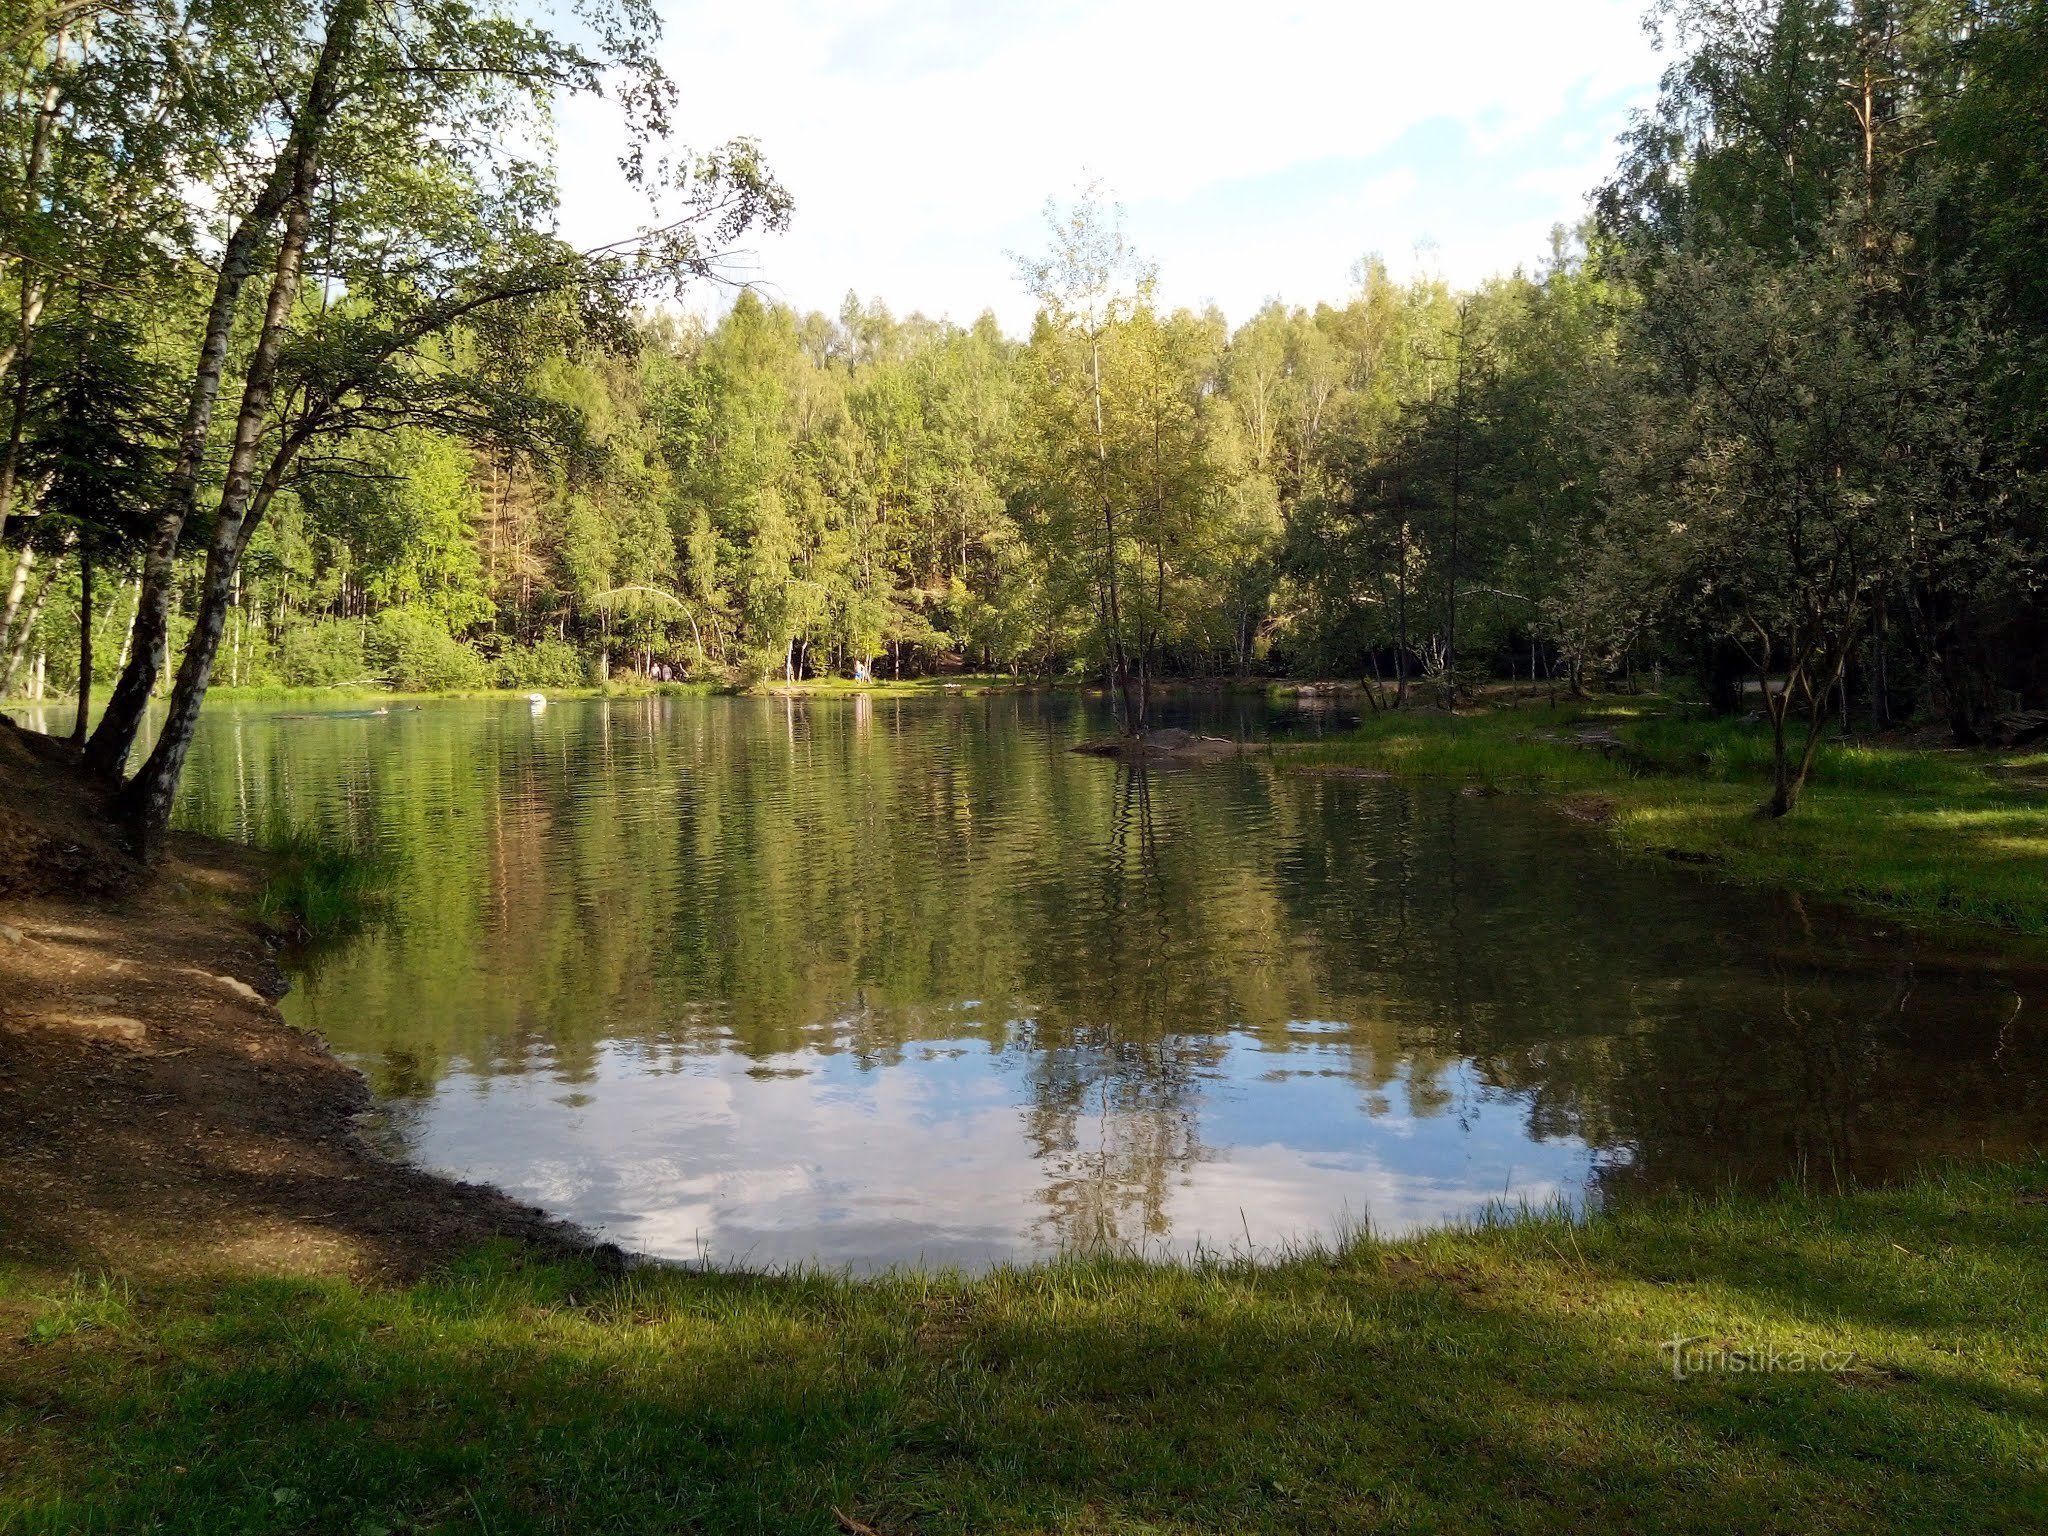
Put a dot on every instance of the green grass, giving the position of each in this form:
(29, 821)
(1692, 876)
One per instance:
(319, 887)
(1951, 836)
(1521, 750)
(1505, 1378)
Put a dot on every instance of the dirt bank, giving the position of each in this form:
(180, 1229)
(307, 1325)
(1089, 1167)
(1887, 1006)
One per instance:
(156, 1111)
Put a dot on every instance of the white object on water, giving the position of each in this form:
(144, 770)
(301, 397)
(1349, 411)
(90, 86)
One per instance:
(539, 701)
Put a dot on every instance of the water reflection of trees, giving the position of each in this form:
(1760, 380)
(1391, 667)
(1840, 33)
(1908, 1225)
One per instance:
(770, 876)
(1118, 1047)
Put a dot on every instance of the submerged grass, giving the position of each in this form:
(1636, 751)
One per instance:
(317, 885)
(1934, 834)
(1865, 1361)
(320, 887)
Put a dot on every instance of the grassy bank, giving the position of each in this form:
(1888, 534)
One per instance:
(1506, 1378)
(314, 885)
(319, 888)
(625, 688)
(1931, 834)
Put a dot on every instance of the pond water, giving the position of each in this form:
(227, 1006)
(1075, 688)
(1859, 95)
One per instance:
(868, 982)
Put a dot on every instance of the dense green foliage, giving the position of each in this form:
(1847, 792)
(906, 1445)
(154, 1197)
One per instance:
(295, 253)
(1509, 1378)
(1773, 415)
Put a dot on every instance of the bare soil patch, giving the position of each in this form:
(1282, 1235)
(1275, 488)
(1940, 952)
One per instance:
(157, 1113)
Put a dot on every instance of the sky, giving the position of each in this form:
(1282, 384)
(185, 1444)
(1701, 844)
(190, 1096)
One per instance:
(1258, 152)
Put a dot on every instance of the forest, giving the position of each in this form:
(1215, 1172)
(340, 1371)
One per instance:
(1420, 909)
(302, 389)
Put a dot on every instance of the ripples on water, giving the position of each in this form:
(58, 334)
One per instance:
(867, 982)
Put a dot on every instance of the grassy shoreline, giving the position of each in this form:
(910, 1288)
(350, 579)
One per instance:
(1951, 837)
(1855, 1359)
(374, 695)
(317, 888)
(637, 689)
(1870, 1360)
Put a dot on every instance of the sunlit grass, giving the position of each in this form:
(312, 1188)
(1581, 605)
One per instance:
(320, 887)
(358, 695)
(1521, 748)
(1509, 1377)
(317, 885)
(87, 1302)
(1935, 833)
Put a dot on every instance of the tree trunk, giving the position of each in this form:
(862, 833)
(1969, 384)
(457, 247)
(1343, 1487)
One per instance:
(1401, 624)
(145, 803)
(1128, 718)
(10, 459)
(163, 660)
(128, 633)
(84, 644)
(19, 651)
(107, 752)
(33, 294)
(1787, 782)
(1784, 795)
(23, 564)
(1457, 499)
(150, 627)
(241, 629)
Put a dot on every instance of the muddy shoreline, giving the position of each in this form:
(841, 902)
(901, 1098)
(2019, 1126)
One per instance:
(157, 1112)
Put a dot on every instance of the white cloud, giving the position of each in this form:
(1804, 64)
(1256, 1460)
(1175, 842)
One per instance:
(948, 1158)
(1252, 146)
(1387, 191)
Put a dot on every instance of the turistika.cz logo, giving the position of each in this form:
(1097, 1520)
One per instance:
(1697, 1355)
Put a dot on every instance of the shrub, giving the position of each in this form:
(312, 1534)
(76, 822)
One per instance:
(414, 654)
(547, 663)
(321, 654)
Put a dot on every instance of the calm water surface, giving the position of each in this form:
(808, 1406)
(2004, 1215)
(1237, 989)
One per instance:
(874, 982)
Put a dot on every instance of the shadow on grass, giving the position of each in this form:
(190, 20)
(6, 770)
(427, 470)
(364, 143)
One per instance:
(319, 886)
(1503, 1379)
